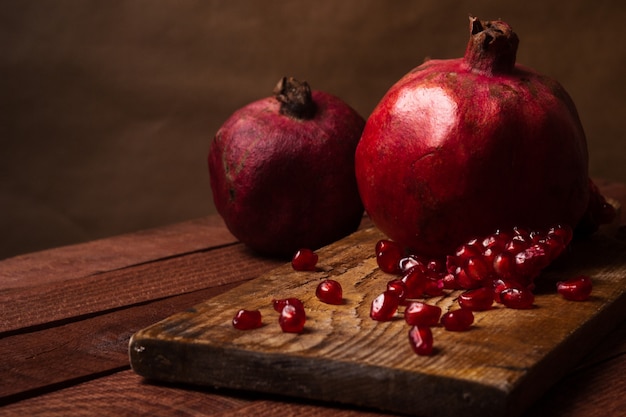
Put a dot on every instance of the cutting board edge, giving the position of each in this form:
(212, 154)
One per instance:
(599, 326)
(472, 398)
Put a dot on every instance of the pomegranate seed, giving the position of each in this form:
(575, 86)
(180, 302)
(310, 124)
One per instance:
(553, 245)
(477, 269)
(469, 249)
(247, 319)
(458, 320)
(465, 281)
(500, 285)
(563, 232)
(422, 314)
(304, 260)
(515, 245)
(488, 256)
(409, 262)
(399, 287)
(421, 340)
(479, 299)
(575, 289)
(503, 265)
(496, 241)
(517, 298)
(453, 263)
(292, 319)
(522, 233)
(330, 292)
(435, 266)
(449, 282)
(530, 262)
(415, 282)
(434, 287)
(280, 304)
(384, 306)
(388, 256)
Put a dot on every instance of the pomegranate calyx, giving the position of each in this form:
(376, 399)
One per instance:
(492, 47)
(295, 98)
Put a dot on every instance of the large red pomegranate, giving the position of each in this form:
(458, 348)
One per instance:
(460, 147)
(282, 170)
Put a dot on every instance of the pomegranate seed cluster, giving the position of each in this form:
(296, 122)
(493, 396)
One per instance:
(499, 268)
(292, 315)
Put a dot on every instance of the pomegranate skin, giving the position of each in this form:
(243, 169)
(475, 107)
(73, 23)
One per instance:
(281, 181)
(459, 148)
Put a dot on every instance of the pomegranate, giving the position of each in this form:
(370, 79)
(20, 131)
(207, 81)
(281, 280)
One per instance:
(460, 147)
(282, 170)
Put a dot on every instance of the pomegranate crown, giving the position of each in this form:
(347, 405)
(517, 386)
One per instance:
(492, 47)
(295, 98)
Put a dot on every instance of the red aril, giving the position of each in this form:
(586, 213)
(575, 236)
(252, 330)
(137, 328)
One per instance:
(418, 313)
(399, 287)
(421, 340)
(304, 260)
(478, 268)
(384, 306)
(282, 170)
(458, 320)
(575, 289)
(409, 262)
(434, 286)
(388, 256)
(504, 265)
(465, 281)
(479, 299)
(414, 281)
(458, 148)
(517, 298)
(500, 285)
(247, 319)
(279, 304)
(292, 319)
(329, 291)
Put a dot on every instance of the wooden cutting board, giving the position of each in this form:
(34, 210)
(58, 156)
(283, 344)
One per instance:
(498, 368)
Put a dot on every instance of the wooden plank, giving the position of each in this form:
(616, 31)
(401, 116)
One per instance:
(593, 389)
(85, 259)
(50, 358)
(503, 365)
(95, 317)
(84, 295)
(133, 397)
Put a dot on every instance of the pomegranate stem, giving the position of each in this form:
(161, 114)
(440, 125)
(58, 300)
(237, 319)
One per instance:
(295, 98)
(492, 47)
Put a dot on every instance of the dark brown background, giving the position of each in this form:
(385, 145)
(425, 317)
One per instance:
(107, 107)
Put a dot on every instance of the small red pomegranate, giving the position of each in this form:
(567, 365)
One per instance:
(282, 170)
(461, 147)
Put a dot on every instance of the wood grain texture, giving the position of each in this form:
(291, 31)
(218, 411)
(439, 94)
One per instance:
(74, 297)
(593, 389)
(500, 367)
(85, 259)
(62, 355)
(95, 338)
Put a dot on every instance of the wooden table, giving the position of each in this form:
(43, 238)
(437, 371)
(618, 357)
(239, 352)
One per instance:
(66, 316)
